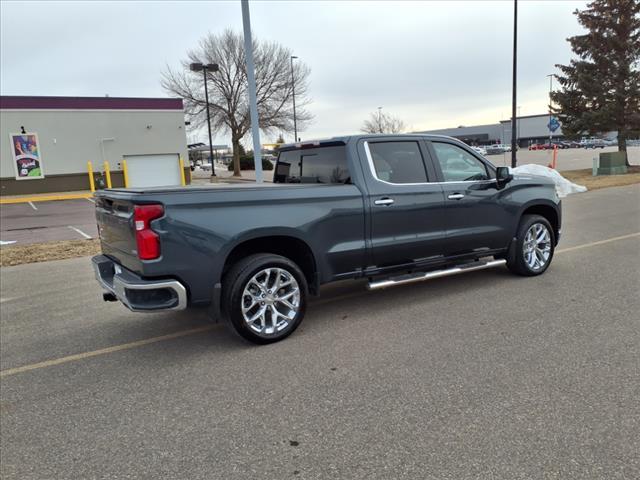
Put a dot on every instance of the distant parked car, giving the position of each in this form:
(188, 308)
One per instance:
(536, 146)
(480, 150)
(571, 144)
(595, 143)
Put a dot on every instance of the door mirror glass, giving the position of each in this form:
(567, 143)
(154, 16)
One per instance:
(503, 175)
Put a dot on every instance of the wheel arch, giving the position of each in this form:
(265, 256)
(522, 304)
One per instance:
(289, 246)
(548, 211)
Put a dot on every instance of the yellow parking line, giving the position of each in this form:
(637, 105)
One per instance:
(103, 351)
(183, 333)
(45, 198)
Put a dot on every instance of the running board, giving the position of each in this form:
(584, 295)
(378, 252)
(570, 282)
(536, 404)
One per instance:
(422, 276)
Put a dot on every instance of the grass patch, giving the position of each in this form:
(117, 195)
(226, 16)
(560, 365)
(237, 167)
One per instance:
(44, 252)
(584, 177)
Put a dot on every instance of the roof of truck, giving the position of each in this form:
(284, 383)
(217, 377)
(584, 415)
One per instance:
(348, 138)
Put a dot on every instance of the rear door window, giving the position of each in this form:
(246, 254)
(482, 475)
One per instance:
(398, 162)
(313, 165)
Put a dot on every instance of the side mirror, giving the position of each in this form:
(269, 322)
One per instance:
(503, 176)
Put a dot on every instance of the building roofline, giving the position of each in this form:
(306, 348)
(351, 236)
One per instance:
(88, 103)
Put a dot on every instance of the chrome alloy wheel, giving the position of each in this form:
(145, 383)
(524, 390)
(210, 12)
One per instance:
(536, 247)
(270, 301)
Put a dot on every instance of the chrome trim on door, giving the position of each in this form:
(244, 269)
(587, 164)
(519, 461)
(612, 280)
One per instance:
(456, 196)
(384, 201)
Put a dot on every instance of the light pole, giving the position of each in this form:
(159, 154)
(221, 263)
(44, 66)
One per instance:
(380, 120)
(293, 89)
(513, 93)
(550, 88)
(518, 142)
(209, 67)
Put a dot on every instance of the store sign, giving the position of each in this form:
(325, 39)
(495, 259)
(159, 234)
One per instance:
(27, 159)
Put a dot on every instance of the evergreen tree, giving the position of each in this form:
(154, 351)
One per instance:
(600, 90)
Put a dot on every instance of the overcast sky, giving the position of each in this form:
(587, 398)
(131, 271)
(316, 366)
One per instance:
(433, 64)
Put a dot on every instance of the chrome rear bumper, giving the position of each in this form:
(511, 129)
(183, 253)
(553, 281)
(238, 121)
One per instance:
(136, 293)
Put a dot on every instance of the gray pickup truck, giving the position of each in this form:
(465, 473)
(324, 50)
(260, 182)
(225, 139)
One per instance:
(392, 209)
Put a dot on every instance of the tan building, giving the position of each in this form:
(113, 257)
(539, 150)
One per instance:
(46, 142)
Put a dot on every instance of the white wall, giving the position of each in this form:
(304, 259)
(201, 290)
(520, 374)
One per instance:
(70, 138)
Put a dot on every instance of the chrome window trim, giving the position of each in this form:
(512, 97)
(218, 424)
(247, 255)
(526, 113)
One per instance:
(372, 169)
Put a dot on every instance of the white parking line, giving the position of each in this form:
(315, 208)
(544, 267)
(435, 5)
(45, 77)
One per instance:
(32, 205)
(91, 200)
(80, 232)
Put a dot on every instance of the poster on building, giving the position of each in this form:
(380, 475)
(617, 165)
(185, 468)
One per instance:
(27, 159)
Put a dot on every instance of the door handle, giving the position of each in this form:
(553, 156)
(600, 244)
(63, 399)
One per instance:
(456, 196)
(384, 201)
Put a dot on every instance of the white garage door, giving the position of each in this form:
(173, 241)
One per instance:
(153, 170)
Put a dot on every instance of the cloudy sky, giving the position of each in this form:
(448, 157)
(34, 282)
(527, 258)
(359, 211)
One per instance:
(433, 64)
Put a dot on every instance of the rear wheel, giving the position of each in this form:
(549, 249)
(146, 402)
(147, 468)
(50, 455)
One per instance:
(265, 297)
(532, 251)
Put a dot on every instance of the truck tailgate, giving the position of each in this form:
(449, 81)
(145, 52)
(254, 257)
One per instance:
(115, 227)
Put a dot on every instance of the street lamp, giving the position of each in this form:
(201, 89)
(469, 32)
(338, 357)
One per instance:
(208, 67)
(380, 119)
(293, 88)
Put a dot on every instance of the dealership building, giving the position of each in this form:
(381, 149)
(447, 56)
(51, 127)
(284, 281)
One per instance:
(50, 144)
(529, 129)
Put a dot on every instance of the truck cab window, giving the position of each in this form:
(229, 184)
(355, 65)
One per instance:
(313, 165)
(398, 162)
(458, 165)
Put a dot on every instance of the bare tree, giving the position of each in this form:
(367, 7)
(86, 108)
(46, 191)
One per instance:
(228, 96)
(380, 122)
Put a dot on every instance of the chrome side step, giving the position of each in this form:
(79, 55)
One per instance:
(422, 276)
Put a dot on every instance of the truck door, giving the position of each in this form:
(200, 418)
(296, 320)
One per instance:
(476, 214)
(406, 210)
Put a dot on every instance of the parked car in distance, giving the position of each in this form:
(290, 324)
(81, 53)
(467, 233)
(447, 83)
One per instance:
(537, 146)
(480, 150)
(391, 209)
(497, 148)
(594, 143)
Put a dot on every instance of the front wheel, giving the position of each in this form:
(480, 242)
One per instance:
(532, 250)
(265, 297)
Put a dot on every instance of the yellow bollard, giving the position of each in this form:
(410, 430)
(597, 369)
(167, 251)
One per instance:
(107, 174)
(181, 162)
(92, 184)
(125, 173)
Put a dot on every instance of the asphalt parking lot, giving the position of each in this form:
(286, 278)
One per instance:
(484, 375)
(35, 222)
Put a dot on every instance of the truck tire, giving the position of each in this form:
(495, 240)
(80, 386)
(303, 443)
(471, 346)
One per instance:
(532, 250)
(265, 297)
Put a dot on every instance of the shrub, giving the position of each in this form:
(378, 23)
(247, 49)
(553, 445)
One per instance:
(246, 163)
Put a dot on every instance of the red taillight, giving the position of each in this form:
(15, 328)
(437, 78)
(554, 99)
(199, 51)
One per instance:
(148, 241)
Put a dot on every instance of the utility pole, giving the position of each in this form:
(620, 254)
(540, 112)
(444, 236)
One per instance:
(380, 120)
(253, 102)
(514, 96)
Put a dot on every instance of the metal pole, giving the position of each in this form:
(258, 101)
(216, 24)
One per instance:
(380, 120)
(514, 161)
(251, 77)
(206, 99)
(293, 88)
(550, 88)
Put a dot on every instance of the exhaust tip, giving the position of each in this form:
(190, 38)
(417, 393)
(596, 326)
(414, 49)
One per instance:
(109, 297)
